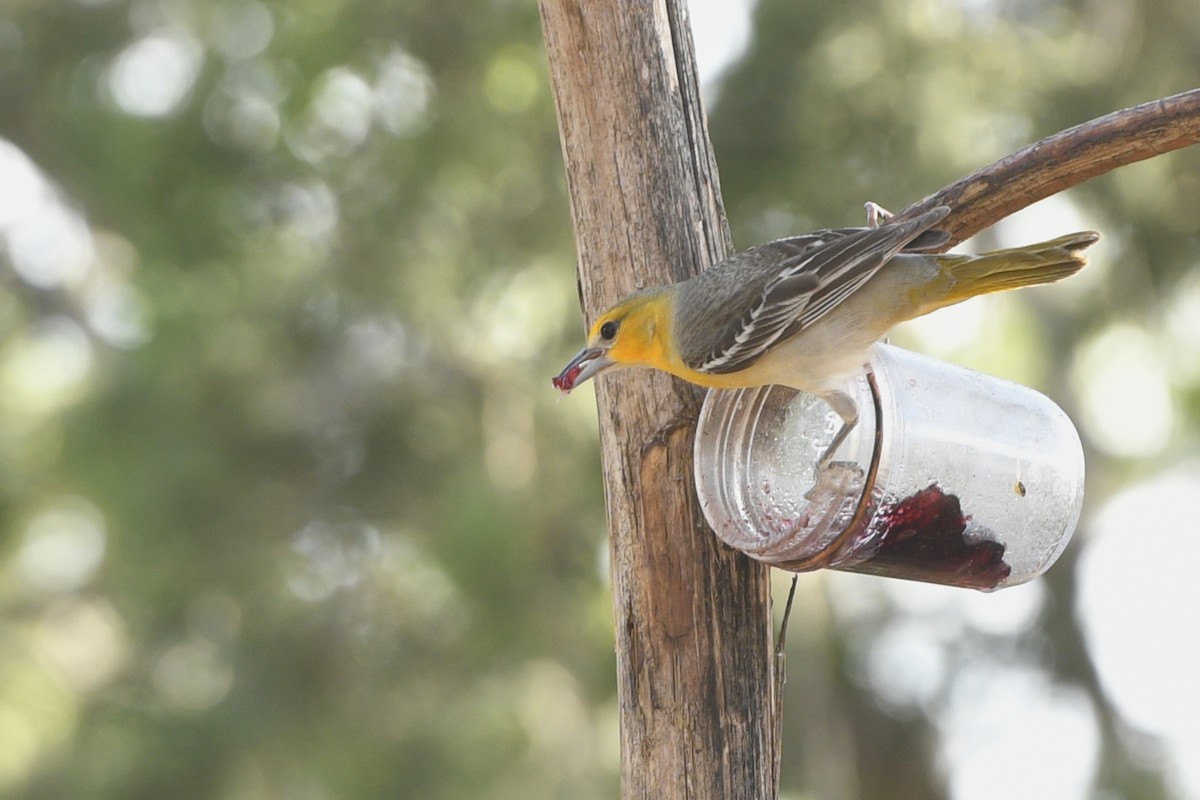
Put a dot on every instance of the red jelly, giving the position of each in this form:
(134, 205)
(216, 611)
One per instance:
(566, 381)
(924, 537)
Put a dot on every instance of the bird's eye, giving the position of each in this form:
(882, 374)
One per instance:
(608, 330)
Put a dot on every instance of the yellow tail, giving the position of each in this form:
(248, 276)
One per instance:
(1016, 267)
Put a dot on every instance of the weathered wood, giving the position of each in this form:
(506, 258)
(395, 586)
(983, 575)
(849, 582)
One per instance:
(1063, 160)
(696, 682)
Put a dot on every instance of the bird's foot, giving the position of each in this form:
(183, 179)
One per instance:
(876, 214)
(834, 476)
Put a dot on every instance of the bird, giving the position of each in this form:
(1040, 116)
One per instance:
(807, 311)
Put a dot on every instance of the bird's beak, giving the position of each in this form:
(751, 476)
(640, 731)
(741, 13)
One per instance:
(587, 363)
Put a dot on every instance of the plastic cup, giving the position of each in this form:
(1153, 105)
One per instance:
(950, 476)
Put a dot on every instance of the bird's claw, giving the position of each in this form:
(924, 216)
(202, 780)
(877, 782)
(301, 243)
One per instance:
(834, 476)
(876, 214)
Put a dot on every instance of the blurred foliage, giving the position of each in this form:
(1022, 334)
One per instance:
(288, 507)
(347, 549)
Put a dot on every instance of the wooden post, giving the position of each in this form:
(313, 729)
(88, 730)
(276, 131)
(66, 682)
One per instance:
(695, 663)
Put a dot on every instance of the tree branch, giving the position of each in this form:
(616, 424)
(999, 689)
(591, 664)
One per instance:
(1063, 160)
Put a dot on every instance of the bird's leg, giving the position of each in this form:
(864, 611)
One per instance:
(829, 475)
(845, 407)
(876, 214)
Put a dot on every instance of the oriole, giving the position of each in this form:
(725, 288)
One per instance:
(806, 311)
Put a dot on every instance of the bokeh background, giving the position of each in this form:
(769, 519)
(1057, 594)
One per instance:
(288, 508)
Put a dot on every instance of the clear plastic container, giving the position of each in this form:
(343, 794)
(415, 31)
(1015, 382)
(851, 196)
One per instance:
(950, 476)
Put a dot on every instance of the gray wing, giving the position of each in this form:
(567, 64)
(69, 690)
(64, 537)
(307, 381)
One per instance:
(815, 273)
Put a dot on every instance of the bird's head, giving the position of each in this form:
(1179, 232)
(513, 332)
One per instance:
(631, 333)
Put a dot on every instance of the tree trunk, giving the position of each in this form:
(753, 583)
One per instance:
(696, 671)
